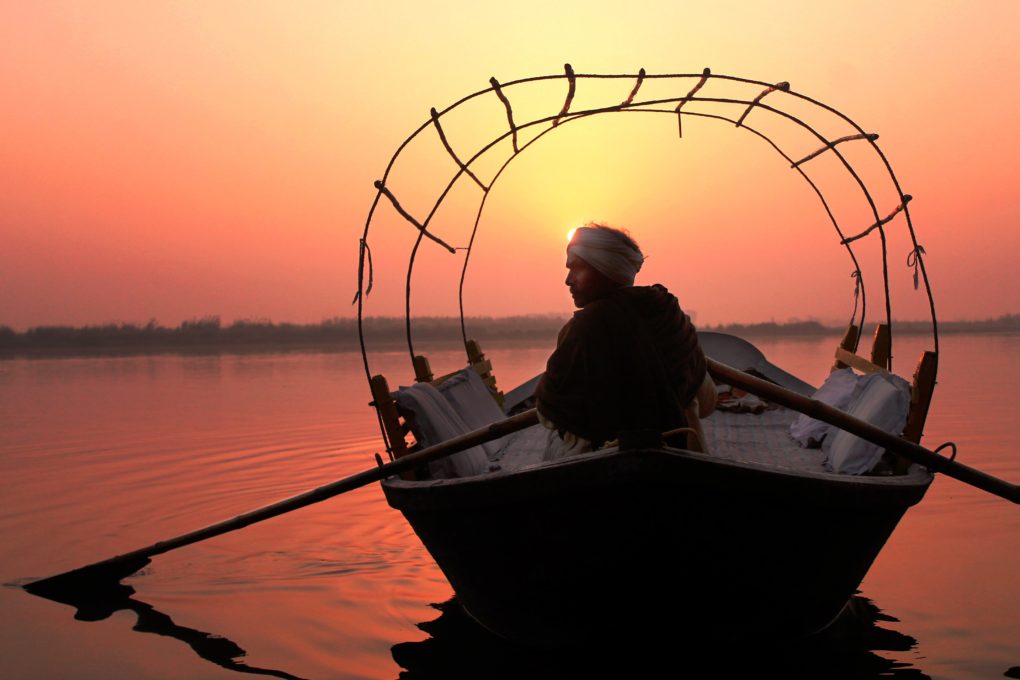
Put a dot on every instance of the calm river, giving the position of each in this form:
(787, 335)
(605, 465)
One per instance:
(99, 456)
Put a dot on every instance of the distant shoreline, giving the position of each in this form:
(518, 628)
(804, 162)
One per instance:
(209, 336)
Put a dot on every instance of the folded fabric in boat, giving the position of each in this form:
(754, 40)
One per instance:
(881, 399)
(837, 391)
(735, 400)
(472, 400)
(435, 421)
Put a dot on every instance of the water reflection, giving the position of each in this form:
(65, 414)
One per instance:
(458, 647)
(100, 603)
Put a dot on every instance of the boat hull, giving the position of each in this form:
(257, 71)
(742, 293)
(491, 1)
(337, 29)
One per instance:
(650, 540)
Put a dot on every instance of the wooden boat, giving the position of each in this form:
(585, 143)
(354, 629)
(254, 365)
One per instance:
(750, 539)
(754, 537)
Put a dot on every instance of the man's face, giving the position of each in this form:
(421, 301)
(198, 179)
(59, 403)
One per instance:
(586, 283)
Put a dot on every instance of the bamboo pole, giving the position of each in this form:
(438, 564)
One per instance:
(120, 566)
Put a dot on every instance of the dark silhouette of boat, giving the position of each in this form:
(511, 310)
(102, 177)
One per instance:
(754, 538)
(726, 544)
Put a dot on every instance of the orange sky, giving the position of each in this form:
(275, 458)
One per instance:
(174, 160)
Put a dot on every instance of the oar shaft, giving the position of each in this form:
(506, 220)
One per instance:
(355, 481)
(409, 462)
(864, 430)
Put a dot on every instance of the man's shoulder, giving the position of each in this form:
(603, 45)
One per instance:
(587, 317)
(622, 307)
(649, 299)
(656, 290)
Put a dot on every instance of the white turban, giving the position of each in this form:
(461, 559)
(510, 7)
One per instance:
(607, 253)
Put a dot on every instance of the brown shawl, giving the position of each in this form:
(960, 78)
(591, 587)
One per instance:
(628, 361)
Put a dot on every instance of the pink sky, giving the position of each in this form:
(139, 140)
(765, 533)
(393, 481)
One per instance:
(180, 160)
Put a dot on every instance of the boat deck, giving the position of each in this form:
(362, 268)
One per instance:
(756, 439)
(761, 438)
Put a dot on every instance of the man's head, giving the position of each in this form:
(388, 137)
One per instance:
(600, 259)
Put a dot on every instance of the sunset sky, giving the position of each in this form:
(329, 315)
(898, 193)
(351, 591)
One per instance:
(177, 160)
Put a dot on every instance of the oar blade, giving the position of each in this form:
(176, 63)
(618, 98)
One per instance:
(101, 580)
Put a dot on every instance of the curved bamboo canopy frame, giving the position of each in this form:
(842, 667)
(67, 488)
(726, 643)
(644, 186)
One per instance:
(696, 95)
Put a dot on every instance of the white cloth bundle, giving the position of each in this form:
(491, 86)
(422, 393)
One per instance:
(837, 391)
(880, 399)
(436, 422)
(474, 403)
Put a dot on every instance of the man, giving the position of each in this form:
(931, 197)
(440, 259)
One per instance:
(629, 359)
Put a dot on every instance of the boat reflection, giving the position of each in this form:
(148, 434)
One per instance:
(458, 647)
(99, 603)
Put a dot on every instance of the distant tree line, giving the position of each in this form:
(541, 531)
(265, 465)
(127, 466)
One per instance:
(773, 328)
(1009, 323)
(208, 333)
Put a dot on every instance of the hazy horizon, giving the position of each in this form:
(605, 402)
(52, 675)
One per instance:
(219, 322)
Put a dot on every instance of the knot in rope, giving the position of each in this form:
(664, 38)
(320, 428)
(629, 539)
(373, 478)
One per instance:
(914, 260)
(858, 285)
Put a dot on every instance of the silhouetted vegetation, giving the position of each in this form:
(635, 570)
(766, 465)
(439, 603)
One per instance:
(773, 328)
(1009, 323)
(209, 334)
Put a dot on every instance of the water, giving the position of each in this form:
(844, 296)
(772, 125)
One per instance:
(103, 455)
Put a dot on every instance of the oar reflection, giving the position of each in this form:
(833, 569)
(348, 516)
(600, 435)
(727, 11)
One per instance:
(97, 604)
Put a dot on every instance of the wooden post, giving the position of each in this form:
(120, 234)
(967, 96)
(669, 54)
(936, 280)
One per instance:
(920, 396)
(395, 431)
(474, 352)
(849, 343)
(484, 368)
(422, 369)
(881, 347)
(387, 408)
(921, 391)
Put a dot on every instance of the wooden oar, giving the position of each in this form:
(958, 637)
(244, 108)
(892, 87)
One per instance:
(864, 430)
(102, 574)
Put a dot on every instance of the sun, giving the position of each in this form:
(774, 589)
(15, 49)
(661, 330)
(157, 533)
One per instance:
(570, 234)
